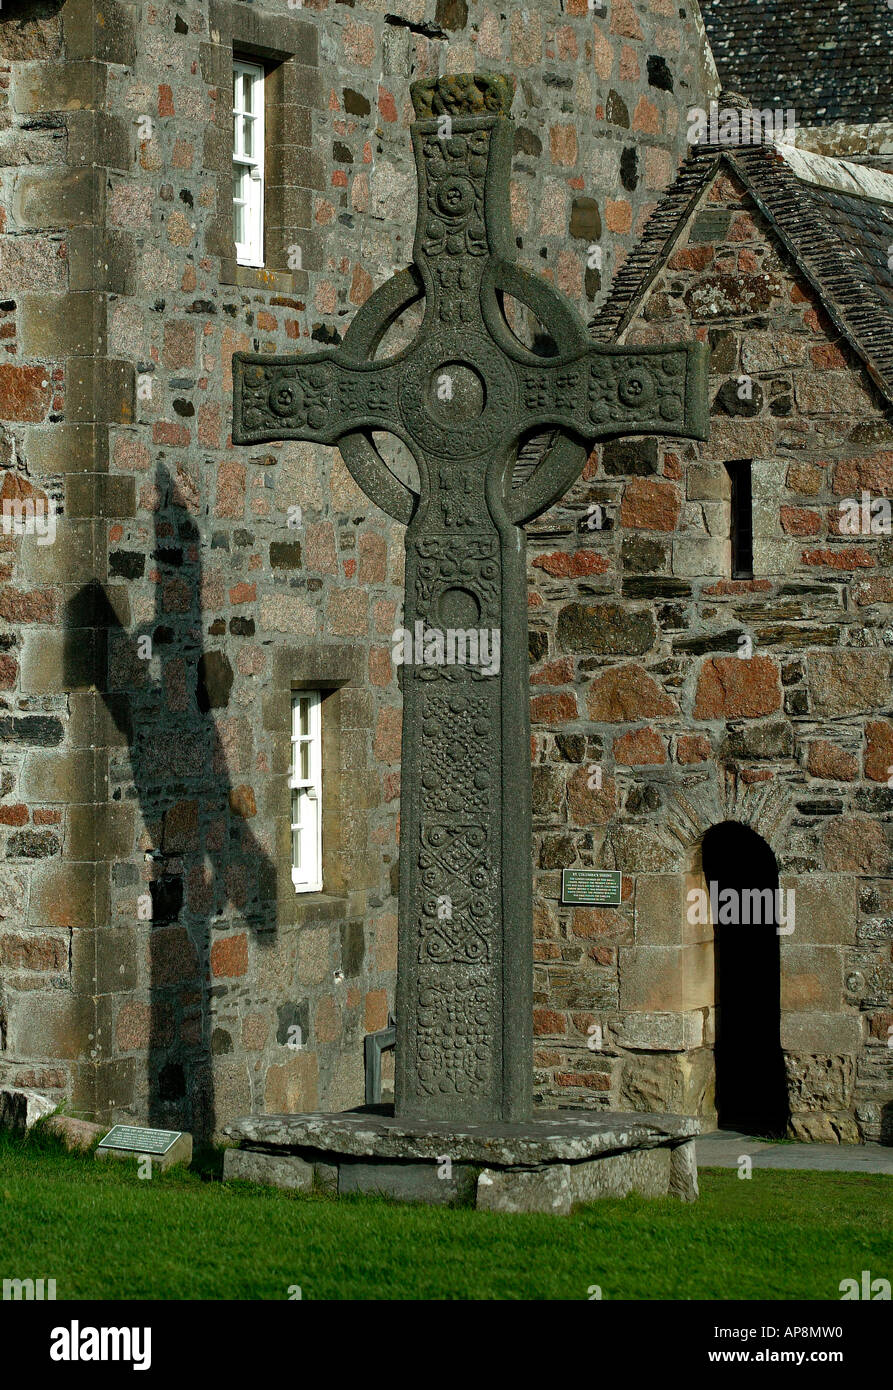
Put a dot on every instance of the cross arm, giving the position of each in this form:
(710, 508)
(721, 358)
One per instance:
(319, 397)
(324, 398)
(601, 391)
(335, 397)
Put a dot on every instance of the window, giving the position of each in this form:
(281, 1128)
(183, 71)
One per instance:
(742, 518)
(306, 792)
(248, 162)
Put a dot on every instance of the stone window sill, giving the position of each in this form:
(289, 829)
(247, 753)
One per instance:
(257, 277)
(325, 906)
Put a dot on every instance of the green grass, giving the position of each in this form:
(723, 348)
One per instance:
(101, 1232)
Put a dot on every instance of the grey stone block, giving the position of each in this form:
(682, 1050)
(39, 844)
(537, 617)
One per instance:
(326, 1175)
(274, 1170)
(540, 1189)
(558, 1188)
(645, 1171)
(407, 1182)
(684, 1172)
(76, 1135)
(20, 1108)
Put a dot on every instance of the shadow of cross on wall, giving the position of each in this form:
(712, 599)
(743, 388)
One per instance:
(461, 396)
(198, 870)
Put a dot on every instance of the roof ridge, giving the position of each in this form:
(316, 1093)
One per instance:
(829, 270)
(646, 256)
(837, 174)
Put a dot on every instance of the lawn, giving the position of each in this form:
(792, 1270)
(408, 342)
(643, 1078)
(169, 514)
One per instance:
(102, 1232)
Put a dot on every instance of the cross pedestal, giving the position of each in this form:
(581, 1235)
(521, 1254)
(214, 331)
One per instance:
(461, 397)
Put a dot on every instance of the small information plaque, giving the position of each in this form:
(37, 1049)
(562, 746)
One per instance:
(168, 1146)
(591, 887)
(140, 1141)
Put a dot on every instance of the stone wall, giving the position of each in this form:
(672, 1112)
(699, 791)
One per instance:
(47, 208)
(649, 727)
(155, 959)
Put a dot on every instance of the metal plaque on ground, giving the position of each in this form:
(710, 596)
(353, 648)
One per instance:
(164, 1146)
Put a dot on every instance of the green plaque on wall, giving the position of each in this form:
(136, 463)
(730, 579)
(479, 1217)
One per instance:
(591, 887)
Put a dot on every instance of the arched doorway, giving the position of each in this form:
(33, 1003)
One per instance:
(742, 880)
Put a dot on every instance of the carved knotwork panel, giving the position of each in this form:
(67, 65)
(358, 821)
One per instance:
(458, 875)
(464, 565)
(294, 397)
(455, 172)
(458, 730)
(456, 869)
(455, 1034)
(312, 399)
(629, 388)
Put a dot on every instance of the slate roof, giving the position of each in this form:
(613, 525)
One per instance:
(828, 59)
(840, 241)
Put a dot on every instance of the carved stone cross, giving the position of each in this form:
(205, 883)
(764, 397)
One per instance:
(461, 396)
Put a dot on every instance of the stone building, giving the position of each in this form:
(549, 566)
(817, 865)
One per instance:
(721, 656)
(827, 63)
(200, 717)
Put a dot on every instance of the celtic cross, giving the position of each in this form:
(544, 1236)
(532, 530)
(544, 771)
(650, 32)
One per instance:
(460, 397)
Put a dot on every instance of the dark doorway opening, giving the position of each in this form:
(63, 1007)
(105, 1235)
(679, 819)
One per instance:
(742, 879)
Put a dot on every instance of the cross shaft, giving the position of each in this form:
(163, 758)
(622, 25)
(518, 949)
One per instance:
(464, 986)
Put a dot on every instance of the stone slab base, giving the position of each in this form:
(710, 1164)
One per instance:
(553, 1162)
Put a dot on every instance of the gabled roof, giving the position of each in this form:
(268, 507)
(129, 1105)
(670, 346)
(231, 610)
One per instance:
(833, 217)
(827, 59)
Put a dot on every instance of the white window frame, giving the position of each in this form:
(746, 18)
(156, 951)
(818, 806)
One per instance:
(249, 166)
(306, 794)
